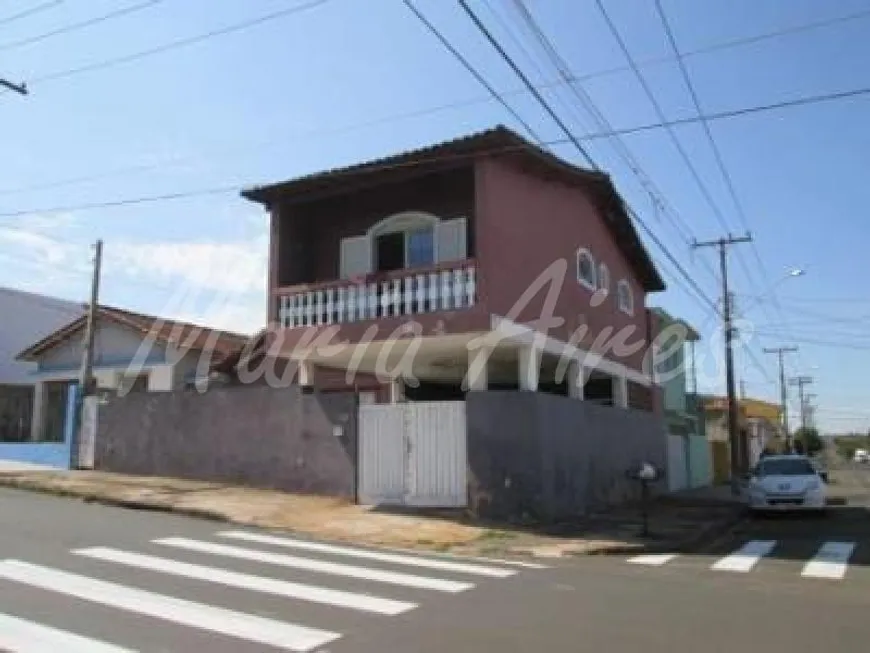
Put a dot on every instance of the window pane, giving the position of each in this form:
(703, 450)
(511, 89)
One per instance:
(421, 248)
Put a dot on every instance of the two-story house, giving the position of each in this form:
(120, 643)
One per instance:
(483, 235)
(480, 264)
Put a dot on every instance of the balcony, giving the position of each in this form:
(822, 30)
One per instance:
(446, 287)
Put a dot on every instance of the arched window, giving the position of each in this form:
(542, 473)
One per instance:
(404, 240)
(624, 297)
(603, 278)
(586, 273)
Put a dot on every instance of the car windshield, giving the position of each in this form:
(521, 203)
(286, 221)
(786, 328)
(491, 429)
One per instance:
(786, 467)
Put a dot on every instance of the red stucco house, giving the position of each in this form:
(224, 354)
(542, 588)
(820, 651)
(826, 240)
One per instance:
(486, 234)
(464, 285)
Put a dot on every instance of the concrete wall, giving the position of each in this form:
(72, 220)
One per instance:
(700, 461)
(554, 457)
(256, 435)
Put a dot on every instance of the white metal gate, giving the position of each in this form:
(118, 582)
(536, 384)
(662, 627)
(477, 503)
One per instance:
(413, 454)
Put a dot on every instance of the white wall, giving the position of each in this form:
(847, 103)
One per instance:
(26, 318)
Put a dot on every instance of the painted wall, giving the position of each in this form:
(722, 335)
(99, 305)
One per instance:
(113, 345)
(254, 435)
(53, 454)
(700, 461)
(526, 223)
(554, 457)
(26, 318)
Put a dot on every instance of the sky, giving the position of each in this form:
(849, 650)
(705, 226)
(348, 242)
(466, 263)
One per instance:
(191, 100)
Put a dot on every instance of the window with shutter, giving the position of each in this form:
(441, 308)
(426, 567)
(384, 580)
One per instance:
(356, 256)
(451, 240)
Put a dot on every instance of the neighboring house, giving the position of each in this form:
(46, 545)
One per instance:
(396, 269)
(23, 317)
(132, 353)
(760, 427)
(689, 463)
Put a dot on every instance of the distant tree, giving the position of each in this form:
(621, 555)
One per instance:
(809, 440)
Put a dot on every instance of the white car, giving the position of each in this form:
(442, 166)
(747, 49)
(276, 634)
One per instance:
(785, 483)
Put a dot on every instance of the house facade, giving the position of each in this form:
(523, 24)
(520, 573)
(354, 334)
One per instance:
(133, 353)
(689, 457)
(25, 316)
(483, 248)
(447, 288)
(760, 428)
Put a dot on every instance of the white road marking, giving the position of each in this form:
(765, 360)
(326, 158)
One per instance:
(414, 561)
(22, 636)
(653, 559)
(251, 582)
(188, 613)
(831, 561)
(395, 578)
(746, 557)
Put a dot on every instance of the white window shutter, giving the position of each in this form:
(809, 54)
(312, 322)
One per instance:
(356, 256)
(451, 240)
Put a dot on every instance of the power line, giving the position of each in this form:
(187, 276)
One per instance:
(573, 139)
(77, 26)
(180, 43)
(601, 121)
(30, 12)
(471, 69)
(717, 153)
(828, 97)
(729, 44)
(721, 115)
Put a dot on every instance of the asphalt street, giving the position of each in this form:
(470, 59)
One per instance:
(121, 580)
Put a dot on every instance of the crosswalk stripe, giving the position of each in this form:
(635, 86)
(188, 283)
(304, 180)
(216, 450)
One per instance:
(746, 557)
(395, 578)
(410, 560)
(653, 559)
(22, 636)
(311, 593)
(831, 561)
(188, 613)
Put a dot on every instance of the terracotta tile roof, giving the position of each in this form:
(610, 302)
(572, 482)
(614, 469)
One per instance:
(181, 334)
(498, 141)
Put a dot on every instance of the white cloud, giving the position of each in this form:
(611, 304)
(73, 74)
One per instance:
(231, 267)
(217, 283)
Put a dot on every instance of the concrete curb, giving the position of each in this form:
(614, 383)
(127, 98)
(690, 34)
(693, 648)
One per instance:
(130, 504)
(687, 545)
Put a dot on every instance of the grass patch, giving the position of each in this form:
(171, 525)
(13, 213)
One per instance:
(494, 534)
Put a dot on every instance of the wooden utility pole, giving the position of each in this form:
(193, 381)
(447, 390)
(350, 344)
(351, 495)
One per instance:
(801, 382)
(783, 389)
(87, 369)
(739, 448)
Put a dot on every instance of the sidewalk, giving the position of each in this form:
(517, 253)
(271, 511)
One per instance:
(676, 522)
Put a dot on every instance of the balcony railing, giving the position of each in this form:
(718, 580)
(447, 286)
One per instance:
(403, 292)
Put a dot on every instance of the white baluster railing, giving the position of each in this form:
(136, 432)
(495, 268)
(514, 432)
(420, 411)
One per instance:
(412, 294)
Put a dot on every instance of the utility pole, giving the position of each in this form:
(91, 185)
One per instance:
(21, 89)
(739, 450)
(783, 389)
(800, 382)
(87, 368)
(811, 410)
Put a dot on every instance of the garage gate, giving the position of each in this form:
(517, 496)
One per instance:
(413, 454)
